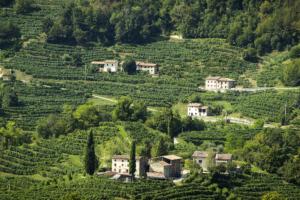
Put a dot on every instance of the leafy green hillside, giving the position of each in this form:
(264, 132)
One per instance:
(44, 121)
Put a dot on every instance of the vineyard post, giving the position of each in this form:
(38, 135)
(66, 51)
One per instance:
(85, 72)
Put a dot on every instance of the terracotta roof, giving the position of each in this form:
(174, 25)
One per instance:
(204, 107)
(163, 163)
(172, 157)
(194, 105)
(104, 62)
(144, 64)
(155, 175)
(198, 105)
(123, 157)
(226, 79)
(223, 156)
(219, 78)
(97, 62)
(159, 163)
(213, 78)
(6, 72)
(200, 154)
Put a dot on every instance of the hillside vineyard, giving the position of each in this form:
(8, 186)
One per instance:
(149, 100)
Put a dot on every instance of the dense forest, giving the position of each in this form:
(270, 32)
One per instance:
(260, 25)
(263, 25)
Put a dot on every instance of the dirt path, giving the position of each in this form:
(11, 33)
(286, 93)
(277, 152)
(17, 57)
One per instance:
(114, 101)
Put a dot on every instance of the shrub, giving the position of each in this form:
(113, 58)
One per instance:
(250, 55)
(291, 73)
(295, 52)
(24, 6)
(6, 2)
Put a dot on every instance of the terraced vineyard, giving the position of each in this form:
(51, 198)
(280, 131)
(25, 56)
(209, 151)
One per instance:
(103, 188)
(269, 105)
(31, 23)
(259, 184)
(53, 168)
(47, 97)
(272, 69)
(183, 67)
(90, 188)
(45, 156)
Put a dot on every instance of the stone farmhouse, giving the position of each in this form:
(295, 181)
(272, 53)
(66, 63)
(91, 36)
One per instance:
(197, 110)
(107, 65)
(120, 165)
(219, 83)
(165, 167)
(151, 68)
(201, 158)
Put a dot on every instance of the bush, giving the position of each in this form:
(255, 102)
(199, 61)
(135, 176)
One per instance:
(129, 66)
(6, 2)
(295, 52)
(250, 55)
(9, 33)
(291, 73)
(24, 6)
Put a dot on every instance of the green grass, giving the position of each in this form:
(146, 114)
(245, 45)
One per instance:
(181, 108)
(100, 101)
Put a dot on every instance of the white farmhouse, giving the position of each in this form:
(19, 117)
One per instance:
(107, 65)
(197, 110)
(120, 165)
(7, 74)
(151, 68)
(219, 83)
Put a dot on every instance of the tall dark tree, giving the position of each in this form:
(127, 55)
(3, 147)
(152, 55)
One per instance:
(9, 97)
(24, 6)
(9, 34)
(90, 159)
(132, 160)
(77, 60)
(6, 2)
(146, 150)
(161, 148)
(129, 66)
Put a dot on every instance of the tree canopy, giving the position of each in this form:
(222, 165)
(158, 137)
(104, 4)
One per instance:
(9, 34)
(263, 25)
(129, 66)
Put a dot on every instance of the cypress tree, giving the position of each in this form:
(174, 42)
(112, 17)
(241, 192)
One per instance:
(90, 159)
(146, 150)
(161, 148)
(132, 160)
